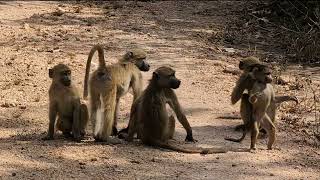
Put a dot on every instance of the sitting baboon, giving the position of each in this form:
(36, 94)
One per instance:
(149, 117)
(64, 102)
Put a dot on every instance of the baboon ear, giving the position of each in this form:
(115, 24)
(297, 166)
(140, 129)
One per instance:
(241, 64)
(129, 55)
(50, 73)
(155, 75)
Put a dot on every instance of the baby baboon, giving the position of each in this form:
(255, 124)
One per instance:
(64, 101)
(149, 117)
(261, 96)
(108, 84)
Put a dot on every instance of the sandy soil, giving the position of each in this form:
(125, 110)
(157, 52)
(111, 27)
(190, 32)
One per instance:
(33, 39)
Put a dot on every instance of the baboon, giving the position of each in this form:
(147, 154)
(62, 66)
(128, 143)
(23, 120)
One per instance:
(149, 117)
(245, 82)
(261, 96)
(108, 84)
(64, 102)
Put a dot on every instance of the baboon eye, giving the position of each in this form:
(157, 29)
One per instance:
(66, 72)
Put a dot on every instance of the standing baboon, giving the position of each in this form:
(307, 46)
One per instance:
(108, 84)
(64, 102)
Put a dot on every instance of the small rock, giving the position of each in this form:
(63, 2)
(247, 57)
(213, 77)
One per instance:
(26, 26)
(135, 162)
(94, 159)
(229, 50)
(77, 9)
(23, 107)
(271, 174)
(37, 99)
(82, 163)
(59, 12)
(14, 174)
(153, 160)
(233, 165)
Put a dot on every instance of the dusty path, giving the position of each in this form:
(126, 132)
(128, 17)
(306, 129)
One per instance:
(32, 40)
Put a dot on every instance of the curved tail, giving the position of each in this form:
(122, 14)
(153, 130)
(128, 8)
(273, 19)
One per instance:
(280, 99)
(102, 63)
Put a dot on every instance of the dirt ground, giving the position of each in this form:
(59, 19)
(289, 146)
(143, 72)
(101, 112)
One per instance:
(33, 38)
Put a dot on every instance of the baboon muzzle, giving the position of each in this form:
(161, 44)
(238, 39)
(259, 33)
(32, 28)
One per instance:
(175, 84)
(66, 81)
(144, 67)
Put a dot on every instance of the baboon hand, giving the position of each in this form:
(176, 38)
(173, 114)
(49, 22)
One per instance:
(48, 137)
(128, 138)
(189, 138)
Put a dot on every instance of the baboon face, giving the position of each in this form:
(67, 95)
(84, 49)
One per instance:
(262, 73)
(142, 65)
(61, 73)
(138, 57)
(165, 78)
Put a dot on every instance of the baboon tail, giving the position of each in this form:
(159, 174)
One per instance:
(102, 63)
(280, 99)
(188, 150)
(237, 140)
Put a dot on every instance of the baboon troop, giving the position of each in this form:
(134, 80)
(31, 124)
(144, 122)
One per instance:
(149, 119)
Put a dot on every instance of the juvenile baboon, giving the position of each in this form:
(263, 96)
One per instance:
(149, 117)
(261, 96)
(108, 84)
(245, 82)
(64, 102)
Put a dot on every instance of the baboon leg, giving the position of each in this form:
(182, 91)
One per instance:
(254, 135)
(84, 117)
(245, 111)
(94, 105)
(115, 121)
(109, 103)
(64, 125)
(133, 126)
(171, 127)
(269, 126)
(258, 117)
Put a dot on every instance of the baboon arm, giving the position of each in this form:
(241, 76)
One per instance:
(136, 87)
(238, 90)
(175, 105)
(52, 118)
